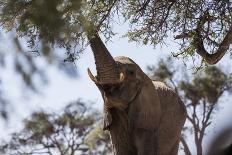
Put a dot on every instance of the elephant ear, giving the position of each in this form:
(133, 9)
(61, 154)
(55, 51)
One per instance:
(145, 111)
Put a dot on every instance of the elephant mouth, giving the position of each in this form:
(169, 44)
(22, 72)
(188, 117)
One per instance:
(120, 92)
(112, 89)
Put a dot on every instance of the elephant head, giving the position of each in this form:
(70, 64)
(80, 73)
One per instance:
(119, 79)
(136, 108)
(122, 92)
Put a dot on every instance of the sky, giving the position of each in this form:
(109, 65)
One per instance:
(62, 89)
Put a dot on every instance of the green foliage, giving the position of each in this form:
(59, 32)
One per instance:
(154, 20)
(64, 22)
(40, 19)
(75, 130)
(39, 125)
(56, 22)
(95, 139)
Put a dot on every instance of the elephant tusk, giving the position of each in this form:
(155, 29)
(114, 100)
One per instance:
(93, 78)
(121, 77)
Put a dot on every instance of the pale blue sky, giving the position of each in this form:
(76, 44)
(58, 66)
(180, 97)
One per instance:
(62, 89)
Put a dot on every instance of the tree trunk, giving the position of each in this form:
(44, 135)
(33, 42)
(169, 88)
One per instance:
(198, 143)
(199, 149)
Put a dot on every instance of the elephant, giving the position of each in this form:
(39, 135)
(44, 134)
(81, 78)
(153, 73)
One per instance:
(143, 117)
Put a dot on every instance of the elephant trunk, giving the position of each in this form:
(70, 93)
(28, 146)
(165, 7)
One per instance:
(107, 70)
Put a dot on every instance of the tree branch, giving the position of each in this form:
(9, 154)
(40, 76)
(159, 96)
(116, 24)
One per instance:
(143, 7)
(222, 49)
(204, 111)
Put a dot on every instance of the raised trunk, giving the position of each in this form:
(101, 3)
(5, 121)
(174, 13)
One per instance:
(107, 71)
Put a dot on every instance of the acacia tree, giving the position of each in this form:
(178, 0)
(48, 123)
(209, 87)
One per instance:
(202, 26)
(201, 96)
(202, 100)
(75, 130)
(199, 24)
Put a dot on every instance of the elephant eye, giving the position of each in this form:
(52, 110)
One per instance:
(131, 72)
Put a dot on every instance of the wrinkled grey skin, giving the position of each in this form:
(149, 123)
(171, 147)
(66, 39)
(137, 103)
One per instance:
(143, 117)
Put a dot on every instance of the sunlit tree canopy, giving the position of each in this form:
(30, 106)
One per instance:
(202, 27)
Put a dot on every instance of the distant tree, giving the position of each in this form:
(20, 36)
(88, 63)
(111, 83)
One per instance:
(75, 130)
(202, 26)
(201, 95)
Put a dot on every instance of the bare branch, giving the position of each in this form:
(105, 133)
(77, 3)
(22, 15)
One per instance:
(222, 49)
